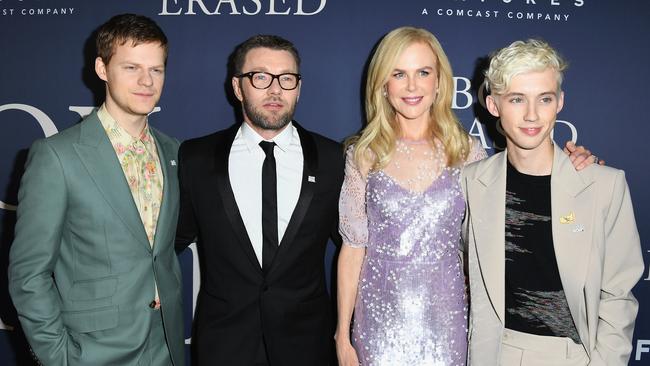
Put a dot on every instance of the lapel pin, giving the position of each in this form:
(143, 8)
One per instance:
(578, 228)
(173, 162)
(567, 219)
(311, 179)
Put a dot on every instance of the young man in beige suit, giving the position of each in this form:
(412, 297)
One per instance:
(553, 252)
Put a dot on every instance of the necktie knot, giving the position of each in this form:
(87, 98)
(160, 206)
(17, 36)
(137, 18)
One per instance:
(267, 146)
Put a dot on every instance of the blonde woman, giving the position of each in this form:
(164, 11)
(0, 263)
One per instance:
(401, 207)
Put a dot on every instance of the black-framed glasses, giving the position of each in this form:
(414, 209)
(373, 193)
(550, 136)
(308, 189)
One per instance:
(263, 80)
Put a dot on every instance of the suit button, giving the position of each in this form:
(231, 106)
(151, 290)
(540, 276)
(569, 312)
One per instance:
(265, 288)
(152, 304)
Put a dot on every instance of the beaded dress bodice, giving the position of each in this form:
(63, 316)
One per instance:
(411, 306)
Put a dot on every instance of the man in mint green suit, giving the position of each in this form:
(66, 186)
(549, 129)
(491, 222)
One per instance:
(93, 273)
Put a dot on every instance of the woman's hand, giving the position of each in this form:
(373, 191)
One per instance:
(346, 354)
(349, 267)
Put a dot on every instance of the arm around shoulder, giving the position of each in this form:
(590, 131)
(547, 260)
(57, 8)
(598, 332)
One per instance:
(186, 229)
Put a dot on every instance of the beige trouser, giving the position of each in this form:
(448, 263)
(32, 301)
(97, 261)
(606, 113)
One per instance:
(523, 349)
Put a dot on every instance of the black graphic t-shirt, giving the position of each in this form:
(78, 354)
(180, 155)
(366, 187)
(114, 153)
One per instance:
(535, 300)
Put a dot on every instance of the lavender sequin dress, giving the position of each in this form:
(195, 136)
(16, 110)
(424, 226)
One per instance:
(411, 305)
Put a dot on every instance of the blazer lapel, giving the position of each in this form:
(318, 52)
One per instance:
(98, 157)
(572, 211)
(228, 197)
(167, 217)
(487, 198)
(309, 179)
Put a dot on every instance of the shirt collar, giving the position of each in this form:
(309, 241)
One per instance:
(283, 140)
(118, 134)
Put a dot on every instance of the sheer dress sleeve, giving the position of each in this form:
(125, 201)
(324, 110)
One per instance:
(353, 221)
(476, 152)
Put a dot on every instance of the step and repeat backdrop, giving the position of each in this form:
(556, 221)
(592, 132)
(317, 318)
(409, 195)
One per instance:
(47, 83)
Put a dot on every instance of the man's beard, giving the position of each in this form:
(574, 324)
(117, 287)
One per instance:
(258, 120)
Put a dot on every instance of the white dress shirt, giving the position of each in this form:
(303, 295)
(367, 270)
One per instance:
(245, 173)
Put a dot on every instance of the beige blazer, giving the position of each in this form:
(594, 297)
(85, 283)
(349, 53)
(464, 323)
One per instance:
(597, 248)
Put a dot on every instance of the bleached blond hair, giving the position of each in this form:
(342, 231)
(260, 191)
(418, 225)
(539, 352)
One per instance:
(521, 57)
(374, 146)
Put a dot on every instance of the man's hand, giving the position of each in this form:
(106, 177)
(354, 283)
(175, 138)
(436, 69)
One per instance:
(580, 156)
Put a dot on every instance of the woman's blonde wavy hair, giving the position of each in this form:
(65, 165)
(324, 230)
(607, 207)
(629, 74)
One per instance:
(375, 144)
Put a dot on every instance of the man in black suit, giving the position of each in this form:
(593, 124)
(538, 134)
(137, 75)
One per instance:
(261, 199)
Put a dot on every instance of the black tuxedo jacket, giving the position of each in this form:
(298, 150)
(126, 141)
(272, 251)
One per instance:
(238, 305)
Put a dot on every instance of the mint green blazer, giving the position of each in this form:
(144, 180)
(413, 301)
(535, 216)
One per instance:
(81, 269)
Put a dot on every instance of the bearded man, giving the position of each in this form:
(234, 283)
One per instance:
(261, 200)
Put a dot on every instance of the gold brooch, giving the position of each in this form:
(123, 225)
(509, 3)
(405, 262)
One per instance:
(567, 219)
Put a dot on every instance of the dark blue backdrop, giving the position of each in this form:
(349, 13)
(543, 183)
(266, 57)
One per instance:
(47, 81)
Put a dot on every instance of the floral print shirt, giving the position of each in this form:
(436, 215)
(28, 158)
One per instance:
(141, 166)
